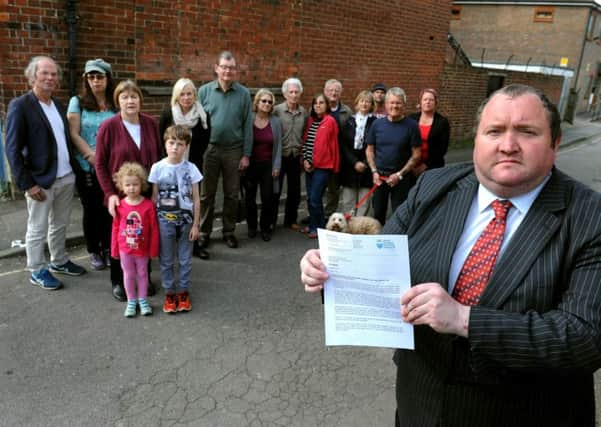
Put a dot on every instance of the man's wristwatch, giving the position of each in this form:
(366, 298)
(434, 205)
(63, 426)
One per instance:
(400, 175)
(374, 170)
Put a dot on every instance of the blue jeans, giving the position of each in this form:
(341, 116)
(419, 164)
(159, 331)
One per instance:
(316, 183)
(175, 237)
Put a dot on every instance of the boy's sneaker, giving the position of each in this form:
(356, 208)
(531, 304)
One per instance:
(170, 305)
(97, 262)
(145, 308)
(183, 301)
(69, 268)
(45, 280)
(130, 309)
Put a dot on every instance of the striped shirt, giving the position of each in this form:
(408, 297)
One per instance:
(310, 142)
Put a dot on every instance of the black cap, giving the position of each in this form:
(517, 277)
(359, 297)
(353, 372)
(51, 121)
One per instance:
(379, 86)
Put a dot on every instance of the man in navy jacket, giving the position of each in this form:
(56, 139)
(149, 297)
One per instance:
(38, 150)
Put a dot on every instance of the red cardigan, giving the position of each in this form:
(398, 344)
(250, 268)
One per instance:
(115, 146)
(325, 148)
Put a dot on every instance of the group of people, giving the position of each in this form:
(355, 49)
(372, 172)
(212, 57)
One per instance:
(251, 144)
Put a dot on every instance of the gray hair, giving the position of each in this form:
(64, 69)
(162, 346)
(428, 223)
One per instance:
(292, 81)
(331, 82)
(398, 92)
(227, 55)
(32, 68)
(515, 91)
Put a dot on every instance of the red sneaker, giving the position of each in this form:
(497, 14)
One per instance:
(170, 305)
(183, 301)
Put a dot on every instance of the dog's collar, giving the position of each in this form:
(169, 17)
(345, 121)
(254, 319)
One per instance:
(347, 216)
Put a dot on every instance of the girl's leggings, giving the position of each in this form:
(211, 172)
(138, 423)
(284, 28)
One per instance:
(135, 267)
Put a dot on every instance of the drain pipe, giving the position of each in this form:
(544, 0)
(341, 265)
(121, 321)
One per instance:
(72, 37)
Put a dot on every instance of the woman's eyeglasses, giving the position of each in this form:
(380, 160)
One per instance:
(96, 76)
(266, 101)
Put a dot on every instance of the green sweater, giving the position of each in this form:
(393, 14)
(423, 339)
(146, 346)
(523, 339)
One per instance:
(230, 111)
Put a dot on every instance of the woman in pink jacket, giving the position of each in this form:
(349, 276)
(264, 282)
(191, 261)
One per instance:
(320, 159)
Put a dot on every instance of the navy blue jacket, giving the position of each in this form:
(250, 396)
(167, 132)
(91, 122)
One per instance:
(31, 148)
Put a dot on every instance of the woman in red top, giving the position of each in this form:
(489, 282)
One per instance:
(130, 136)
(320, 159)
(434, 131)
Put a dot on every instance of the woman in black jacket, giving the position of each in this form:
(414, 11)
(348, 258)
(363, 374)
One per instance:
(187, 111)
(434, 131)
(355, 176)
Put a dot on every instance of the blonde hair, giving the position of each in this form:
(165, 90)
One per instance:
(365, 94)
(179, 86)
(127, 86)
(131, 169)
(258, 96)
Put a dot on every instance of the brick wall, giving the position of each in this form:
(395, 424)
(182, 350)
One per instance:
(156, 42)
(464, 88)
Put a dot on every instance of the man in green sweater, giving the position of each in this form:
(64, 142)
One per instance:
(229, 106)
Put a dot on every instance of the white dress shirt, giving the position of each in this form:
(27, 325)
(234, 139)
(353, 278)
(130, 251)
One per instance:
(478, 217)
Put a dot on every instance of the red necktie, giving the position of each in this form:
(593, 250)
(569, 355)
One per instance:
(481, 260)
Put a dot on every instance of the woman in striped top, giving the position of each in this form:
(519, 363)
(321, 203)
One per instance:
(320, 159)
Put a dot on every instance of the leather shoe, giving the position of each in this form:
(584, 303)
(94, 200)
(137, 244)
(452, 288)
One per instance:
(119, 293)
(266, 236)
(203, 241)
(231, 241)
(200, 252)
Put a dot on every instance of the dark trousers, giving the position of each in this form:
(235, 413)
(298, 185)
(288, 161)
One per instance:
(258, 175)
(316, 183)
(397, 195)
(96, 220)
(291, 169)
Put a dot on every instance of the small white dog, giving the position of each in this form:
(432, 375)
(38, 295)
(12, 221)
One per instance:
(354, 224)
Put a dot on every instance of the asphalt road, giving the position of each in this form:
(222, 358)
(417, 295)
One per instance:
(250, 353)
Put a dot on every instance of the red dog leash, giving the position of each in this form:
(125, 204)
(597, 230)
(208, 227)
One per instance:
(364, 198)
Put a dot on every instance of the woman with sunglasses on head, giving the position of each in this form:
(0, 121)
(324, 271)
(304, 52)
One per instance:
(321, 159)
(264, 166)
(85, 114)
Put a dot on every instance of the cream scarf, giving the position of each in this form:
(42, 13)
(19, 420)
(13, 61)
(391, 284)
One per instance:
(190, 119)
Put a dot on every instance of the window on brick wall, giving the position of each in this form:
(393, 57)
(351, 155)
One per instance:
(455, 12)
(544, 14)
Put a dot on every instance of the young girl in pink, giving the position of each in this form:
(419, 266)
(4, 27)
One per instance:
(135, 236)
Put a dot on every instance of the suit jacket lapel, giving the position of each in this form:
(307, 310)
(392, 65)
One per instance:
(454, 211)
(539, 226)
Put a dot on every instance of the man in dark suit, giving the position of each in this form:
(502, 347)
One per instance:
(38, 150)
(522, 350)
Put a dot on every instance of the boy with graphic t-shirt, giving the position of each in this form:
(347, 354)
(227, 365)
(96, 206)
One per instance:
(175, 192)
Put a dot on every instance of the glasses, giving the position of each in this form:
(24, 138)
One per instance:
(228, 67)
(266, 101)
(96, 76)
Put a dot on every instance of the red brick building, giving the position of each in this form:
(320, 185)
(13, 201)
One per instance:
(157, 41)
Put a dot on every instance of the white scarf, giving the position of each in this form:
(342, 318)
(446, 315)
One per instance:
(360, 122)
(190, 119)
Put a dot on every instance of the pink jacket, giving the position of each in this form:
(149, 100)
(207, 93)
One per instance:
(135, 230)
